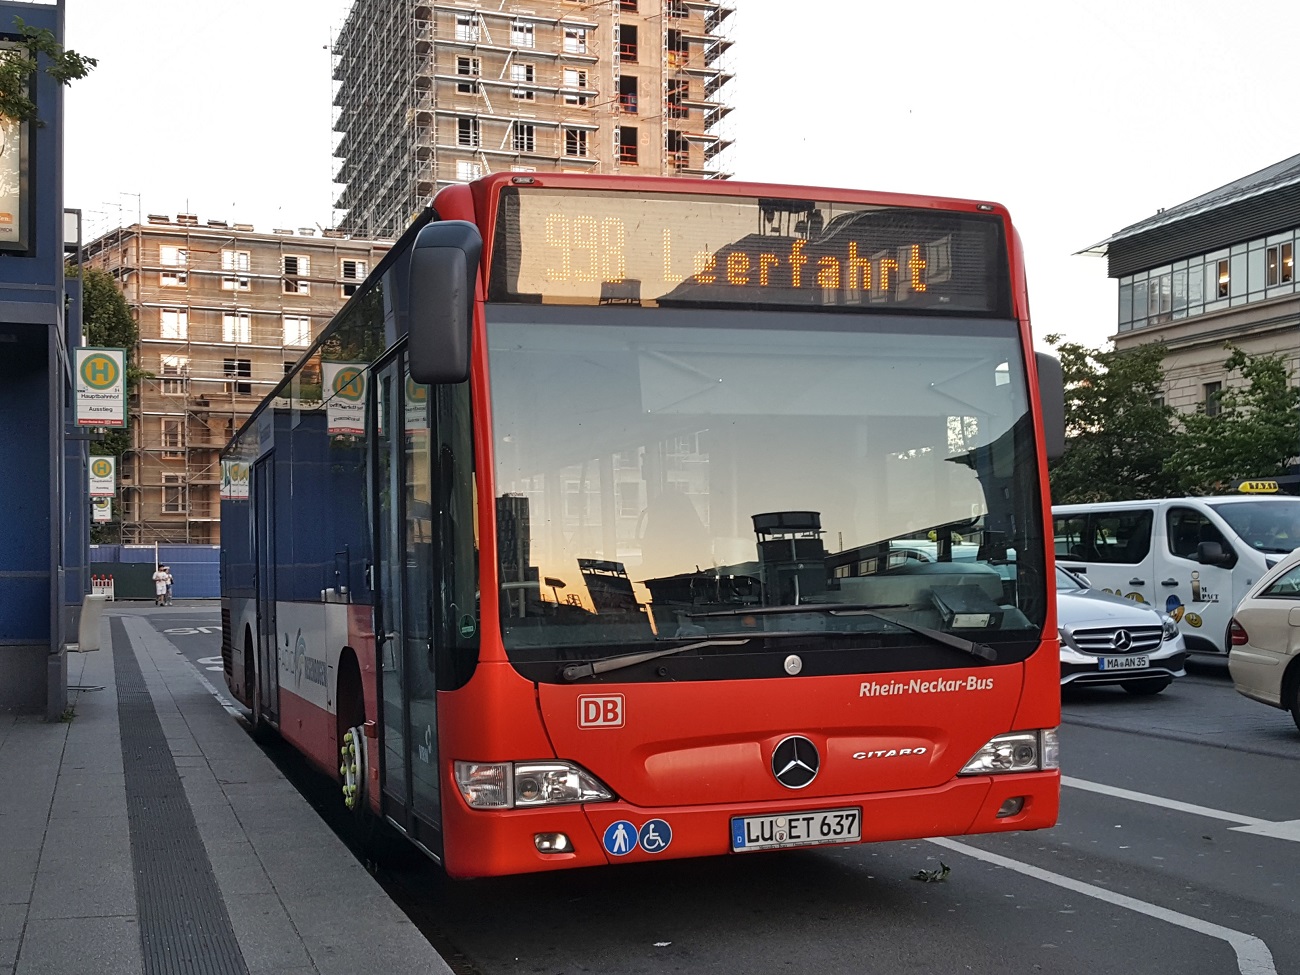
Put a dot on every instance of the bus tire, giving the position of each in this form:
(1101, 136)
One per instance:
(350, 721)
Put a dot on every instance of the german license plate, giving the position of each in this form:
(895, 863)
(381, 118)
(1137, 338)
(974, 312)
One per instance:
(783, 830)
(1141, 662)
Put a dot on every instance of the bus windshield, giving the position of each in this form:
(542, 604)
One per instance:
(707, 476)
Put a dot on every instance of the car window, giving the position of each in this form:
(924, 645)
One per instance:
(1187, 528)
(1285, 586)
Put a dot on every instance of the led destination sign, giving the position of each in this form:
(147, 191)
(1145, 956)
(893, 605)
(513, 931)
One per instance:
(580, 247)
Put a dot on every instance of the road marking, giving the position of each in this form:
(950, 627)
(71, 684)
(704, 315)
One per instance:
(1187, 807)
(1289, 830)
(1253, 956)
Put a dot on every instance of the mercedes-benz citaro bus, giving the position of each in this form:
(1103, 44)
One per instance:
(581, 534)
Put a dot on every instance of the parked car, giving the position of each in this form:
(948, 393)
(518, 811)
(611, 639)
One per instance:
(1265, 630)
(1108, 639)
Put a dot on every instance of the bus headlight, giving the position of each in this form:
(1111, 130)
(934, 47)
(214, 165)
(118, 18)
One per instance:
(1018, 751)
(514, 785)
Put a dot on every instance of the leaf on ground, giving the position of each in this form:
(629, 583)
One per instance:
(933, 876)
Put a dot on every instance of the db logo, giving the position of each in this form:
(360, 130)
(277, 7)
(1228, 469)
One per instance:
(600, 712)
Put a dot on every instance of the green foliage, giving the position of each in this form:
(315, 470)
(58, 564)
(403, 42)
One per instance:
(1255, 434)
(1118, 430)
(20, 62)
(107, 323)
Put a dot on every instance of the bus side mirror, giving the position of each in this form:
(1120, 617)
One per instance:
(444, 269)
(1051, 396)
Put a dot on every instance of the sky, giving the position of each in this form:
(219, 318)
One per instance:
(1081, 116)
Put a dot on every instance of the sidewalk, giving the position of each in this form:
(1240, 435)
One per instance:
(148, 834)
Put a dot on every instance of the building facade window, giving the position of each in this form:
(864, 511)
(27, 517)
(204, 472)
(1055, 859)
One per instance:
(1213, 392)
(1279, 262)
(467, 132)
(468, 169)
(525, 137)
(522, 34)
(175, 501)
(172, 437)
(467, 69)
(237, 326)
(173, 323)
(467, 27)
(352, 272)
(575, 40)
(175, 371)
(575, 78)
(236, 370)
(172, 256)
(235, 260)
(627, 144)
(296, 268)
(575, 142)
(297, 330)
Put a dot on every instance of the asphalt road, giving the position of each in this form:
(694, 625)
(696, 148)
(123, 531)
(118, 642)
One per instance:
(1177, 851)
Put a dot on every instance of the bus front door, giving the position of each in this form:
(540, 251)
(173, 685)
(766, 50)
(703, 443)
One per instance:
(405, 548)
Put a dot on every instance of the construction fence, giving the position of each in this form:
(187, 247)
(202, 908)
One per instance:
(195, 569)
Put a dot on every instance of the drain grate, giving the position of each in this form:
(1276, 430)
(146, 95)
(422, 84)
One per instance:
(184, 926)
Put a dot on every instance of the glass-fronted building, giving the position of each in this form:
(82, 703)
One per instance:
(1218, 268)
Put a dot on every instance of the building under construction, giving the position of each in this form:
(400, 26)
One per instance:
(223, 312)
(436, 93)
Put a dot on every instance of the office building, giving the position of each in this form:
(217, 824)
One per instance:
(1218, 268)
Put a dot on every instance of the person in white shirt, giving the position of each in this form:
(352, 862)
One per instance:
(162, 580)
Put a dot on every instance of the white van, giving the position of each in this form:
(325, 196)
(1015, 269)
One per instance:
(1193, 558)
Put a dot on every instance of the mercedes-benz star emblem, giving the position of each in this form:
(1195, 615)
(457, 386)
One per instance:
(795, 762)
(1122, 640)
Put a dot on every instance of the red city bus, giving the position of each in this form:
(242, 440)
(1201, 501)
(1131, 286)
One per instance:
(616, 519)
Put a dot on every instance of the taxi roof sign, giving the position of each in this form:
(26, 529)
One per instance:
(1259, 487)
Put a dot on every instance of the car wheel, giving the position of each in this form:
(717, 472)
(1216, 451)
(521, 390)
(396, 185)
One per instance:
(1293, 704)
(1147, 685)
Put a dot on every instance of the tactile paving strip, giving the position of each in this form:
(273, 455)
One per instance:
(184, 926)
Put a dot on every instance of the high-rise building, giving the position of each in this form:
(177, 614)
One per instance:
(223, 313)
(433, 94)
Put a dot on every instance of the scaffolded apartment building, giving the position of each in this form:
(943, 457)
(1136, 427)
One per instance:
(436, 93)
(223, 313)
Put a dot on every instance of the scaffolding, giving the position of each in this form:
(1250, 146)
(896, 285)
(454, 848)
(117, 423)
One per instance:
(431, 94)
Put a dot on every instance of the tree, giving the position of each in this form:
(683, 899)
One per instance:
(19, 63)
(107, 323)
(1255, 432)
(1118, 429)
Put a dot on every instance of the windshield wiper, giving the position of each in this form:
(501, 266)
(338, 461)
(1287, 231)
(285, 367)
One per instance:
(574, 672)
(981, 650)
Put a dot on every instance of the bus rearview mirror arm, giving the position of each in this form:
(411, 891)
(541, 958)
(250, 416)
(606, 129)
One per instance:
(443, 272)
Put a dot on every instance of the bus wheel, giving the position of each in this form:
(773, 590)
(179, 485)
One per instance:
(350, 732)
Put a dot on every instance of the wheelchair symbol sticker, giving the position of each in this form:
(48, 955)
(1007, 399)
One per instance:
(620, 838)
(655, 836)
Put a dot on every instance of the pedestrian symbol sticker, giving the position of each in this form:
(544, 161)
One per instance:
(620, 838)
(655, 836)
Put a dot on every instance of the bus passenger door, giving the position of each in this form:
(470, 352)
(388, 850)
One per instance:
(268, 669)
(406, 546)
(388, 488)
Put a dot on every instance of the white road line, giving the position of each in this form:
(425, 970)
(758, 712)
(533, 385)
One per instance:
(1187, 807)
(1253, 956)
